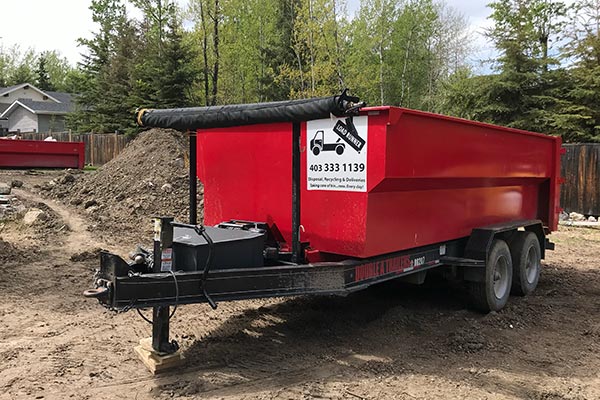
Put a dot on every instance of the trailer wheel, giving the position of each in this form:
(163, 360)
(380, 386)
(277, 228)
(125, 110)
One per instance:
(527, 262)
(493, 293)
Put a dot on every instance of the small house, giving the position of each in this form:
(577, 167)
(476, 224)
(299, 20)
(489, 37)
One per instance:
(25, 108)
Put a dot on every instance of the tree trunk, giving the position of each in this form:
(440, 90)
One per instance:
(405, 68)
(204, 52)
(311, 47)
(215, 77)
(381, 38)
(544, 43)
(338, 63)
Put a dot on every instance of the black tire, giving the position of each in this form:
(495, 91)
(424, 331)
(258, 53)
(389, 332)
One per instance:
(316, 150)
(339, 150)
(493, 293)
(527, 262)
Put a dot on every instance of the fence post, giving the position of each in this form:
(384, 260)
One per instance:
(115, 146)
(92, 148)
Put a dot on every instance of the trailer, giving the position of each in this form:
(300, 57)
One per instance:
(41, 154)
(412, 191)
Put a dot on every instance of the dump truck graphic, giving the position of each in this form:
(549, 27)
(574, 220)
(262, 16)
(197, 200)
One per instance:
(317, 144)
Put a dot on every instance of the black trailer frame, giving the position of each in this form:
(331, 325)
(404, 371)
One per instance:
(127, 289)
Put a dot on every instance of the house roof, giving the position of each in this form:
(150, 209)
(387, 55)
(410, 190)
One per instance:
(10, 89)
(39, 107)
(44, 107)
(60, 96)
(61, 102)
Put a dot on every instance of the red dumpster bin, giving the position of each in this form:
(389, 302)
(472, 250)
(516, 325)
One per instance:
(41, 154)
(418, 179)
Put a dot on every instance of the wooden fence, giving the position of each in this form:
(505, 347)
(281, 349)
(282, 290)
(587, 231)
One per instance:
(100, 148)
(581, 169)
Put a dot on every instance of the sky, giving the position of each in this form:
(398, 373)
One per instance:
(56, 24)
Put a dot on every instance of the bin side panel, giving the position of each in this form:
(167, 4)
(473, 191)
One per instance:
(422, 145)
(405, 219)
(41, 154)
(247, 172)
(444, 177)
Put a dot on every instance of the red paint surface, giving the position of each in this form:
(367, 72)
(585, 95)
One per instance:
(40, 154)
(430, 179)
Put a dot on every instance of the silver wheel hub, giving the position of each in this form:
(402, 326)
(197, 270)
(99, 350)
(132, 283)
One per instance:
(501, 277)
(532, 266)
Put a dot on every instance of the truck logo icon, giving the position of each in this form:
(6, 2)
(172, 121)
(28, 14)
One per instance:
(317, 144)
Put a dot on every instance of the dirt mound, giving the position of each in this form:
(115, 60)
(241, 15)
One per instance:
(47, 223)
(8, 252)
(148, 178)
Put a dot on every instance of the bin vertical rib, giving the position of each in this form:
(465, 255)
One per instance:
(193, 181)
(296, 246)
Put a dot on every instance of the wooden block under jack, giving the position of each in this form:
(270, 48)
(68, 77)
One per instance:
(154, 361)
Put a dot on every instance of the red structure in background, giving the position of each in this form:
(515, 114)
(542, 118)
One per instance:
(430, 179)
(41, 154)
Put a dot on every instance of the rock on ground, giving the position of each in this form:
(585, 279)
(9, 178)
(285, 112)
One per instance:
(32, 216)
(4, 189)
(576, 216)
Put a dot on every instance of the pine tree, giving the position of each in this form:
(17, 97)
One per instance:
(43, 78)
(179, 73)
(58, 68)
(520, 96)
(98, 93)
(578, 117)
(164, 72)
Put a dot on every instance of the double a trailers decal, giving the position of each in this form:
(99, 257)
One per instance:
(337, 154)
(395, 266)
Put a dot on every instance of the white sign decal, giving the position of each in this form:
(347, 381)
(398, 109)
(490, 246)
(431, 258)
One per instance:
(337, 154)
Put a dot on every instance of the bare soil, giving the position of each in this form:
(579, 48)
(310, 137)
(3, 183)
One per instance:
(149, 178)
(389, 342)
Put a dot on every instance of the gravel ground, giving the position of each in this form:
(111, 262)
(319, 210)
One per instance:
(389, 342)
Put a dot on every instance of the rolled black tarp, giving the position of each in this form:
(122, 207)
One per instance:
(248, 114)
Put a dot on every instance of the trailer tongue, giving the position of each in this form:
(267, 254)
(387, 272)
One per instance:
(323, 196)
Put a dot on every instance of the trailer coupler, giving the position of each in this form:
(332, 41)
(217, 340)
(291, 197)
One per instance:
(111, 267)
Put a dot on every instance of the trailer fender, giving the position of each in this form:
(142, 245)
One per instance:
(480, 242)
(538, 229)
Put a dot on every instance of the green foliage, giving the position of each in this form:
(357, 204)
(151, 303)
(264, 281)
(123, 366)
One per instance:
(48, 73)
(95, 102)
(179, 72)
(16, 66)
(58, 69)
(43, 77)
(130, 64)
(530, 89)
(411, 53)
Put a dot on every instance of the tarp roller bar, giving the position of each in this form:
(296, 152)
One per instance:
(249, 114)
